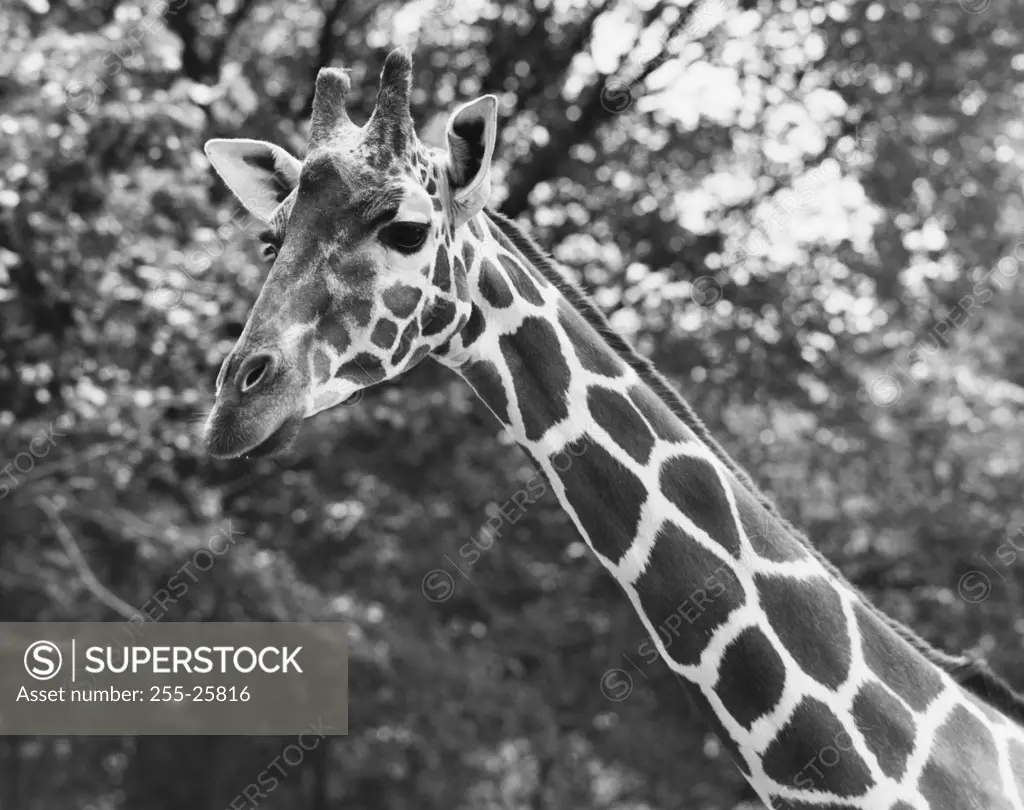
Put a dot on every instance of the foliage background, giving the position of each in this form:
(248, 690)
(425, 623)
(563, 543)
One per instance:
(778, 202)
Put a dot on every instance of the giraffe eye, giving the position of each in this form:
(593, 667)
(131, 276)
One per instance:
(405, 237)
(269, 251)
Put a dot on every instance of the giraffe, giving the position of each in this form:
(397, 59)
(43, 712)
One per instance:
(384, 252)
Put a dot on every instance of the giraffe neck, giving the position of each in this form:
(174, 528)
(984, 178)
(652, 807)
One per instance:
(816, 697)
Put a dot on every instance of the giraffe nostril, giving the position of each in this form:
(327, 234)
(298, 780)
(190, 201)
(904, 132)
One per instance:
(253, 377)
(255, 373)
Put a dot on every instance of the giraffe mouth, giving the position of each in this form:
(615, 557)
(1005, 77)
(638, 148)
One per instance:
(278, 441)
(221, 443)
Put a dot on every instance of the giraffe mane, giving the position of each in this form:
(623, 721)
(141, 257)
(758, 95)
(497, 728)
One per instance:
(972, 673)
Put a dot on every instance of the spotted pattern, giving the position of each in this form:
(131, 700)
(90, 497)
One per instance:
(522, 281)
(486, 381)
(384, 333)
(493, 287)
(474, 327)
(895, 663)
(963, 770)
(749, 692)
(461, 282)
(620, 420)
(768, 537)
(695, 488)
(402, 299)
(807, 615)
(888, 728)
(712, 591)
(418, 354)
(442, 269)
(438, 319)
(664, 423)
(336, 335)
(711, 717)
(409, 334)
(613, 494)
(592, 353)
(814, 751)
(541, 377)
(321, 365)
(363, 369)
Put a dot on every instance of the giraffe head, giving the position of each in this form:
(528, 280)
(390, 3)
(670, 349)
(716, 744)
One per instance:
(362, 284)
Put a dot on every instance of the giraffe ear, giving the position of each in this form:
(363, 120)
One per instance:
(472, 131)
(260, 174)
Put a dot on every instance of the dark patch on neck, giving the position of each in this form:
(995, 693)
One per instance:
(963, 769)
(467, 254)
(686, 590)
(483, 376)
(493, 287)
(813, 736)
(695, 488)
(593, 355)
(982, 681)
(807, 615)
(663, 422)
(888, 728)
(768, 537)
(614, 413)
(539, 373)
(523, 283)
(606, 496)
(895, 663)
(751, 677)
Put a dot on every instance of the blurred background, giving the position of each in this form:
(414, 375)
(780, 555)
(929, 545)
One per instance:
(807, 214)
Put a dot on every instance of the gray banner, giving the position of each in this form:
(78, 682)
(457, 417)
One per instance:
(245, 678)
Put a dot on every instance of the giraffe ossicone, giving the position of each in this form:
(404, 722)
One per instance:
(384, 253)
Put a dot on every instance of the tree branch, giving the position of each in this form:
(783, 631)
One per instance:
(89, 579)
